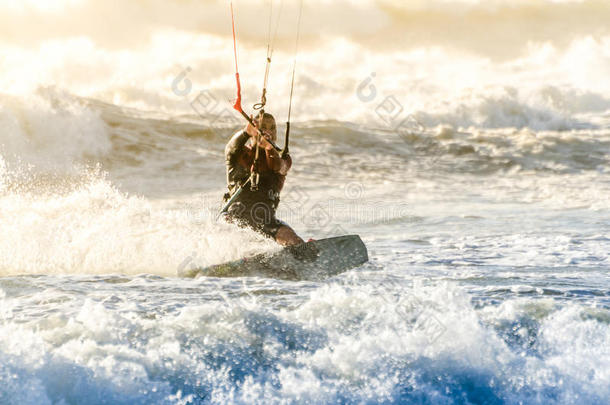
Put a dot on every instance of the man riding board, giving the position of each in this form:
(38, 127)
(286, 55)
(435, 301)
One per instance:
(255, 207)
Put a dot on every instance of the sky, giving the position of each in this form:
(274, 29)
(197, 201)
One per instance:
(497, 28)
(425, 52)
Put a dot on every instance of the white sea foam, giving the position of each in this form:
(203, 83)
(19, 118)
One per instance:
(45, 133)
(486, 221)
(540, 84)
(345, 342)
(95, 227)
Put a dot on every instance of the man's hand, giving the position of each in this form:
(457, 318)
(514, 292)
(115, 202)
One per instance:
(251, 129)
(275, 161)
(263, 141)
(285, 165)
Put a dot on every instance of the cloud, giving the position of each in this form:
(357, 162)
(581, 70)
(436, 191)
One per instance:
(495, 28)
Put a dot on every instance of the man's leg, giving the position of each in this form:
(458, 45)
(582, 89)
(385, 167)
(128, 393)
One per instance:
(286, 236)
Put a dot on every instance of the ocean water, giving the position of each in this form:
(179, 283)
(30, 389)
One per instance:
(478, 178)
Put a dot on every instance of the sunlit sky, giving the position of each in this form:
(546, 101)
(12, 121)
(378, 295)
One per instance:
(499, 28)
(129, 51)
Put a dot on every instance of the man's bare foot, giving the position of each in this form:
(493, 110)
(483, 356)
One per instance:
(286, 236)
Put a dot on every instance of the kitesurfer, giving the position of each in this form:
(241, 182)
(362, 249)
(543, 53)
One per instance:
(255, 207)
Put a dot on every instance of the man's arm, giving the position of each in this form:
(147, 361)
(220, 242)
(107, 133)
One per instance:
(233, 151)
(275, 161)
(234, 147)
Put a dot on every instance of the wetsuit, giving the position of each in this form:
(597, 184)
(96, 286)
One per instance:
(255, 209)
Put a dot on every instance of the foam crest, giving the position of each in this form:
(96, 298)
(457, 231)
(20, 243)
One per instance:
(93, 228)
(546, 85)
(50, 133)
(354, 341)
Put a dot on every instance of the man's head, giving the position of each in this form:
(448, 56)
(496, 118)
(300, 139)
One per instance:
(267, 125)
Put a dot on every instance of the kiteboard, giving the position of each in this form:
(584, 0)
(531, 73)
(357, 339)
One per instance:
(315, 260)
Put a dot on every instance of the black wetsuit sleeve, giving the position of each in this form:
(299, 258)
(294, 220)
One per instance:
(234, 148)
(235, 173)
